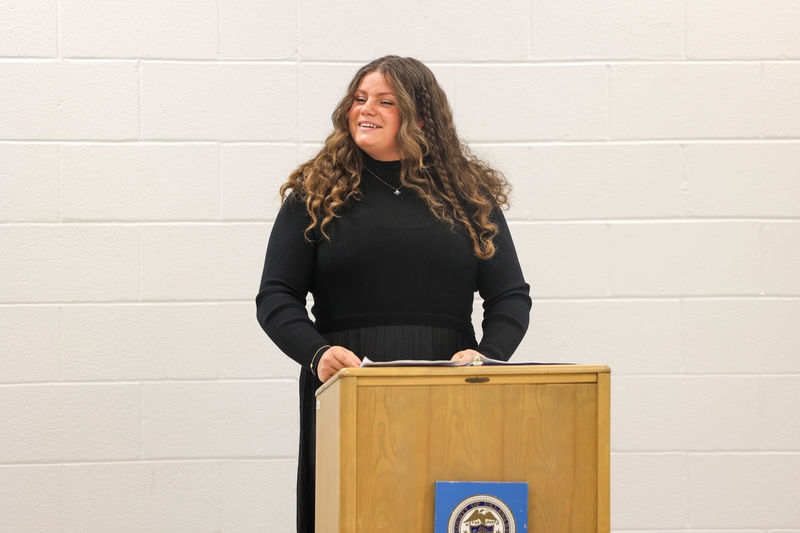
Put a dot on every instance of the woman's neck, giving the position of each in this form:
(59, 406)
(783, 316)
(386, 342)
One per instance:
(377, 165)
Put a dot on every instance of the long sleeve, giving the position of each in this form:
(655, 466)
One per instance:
(506, 296)
(285, 282)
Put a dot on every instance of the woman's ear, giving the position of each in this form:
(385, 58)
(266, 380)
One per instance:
(420, 123)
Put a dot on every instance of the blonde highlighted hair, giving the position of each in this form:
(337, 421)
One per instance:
(456, 185)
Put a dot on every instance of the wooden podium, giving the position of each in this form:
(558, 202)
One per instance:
(385, 435)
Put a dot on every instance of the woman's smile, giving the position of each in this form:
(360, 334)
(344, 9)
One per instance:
(374, 117)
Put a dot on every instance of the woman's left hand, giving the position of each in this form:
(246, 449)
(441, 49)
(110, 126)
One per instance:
(465, 356)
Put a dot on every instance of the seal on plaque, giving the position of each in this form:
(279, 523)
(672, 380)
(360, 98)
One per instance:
(481, 507)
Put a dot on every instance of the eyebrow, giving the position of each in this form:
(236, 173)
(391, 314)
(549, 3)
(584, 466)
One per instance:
(379, 94)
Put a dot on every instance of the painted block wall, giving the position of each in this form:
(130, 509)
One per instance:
(654, 150)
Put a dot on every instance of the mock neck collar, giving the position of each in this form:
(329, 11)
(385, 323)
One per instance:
(384, 166)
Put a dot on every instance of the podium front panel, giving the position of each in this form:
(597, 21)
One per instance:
(385, 435)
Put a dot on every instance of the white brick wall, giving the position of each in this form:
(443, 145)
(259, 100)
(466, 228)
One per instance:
(654, 149)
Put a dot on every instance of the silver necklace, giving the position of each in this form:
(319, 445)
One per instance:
(396, 189)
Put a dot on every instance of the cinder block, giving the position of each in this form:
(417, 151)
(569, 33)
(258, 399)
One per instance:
(781, 258)
(741, 336)
(531, 102)
(347, 30)
(99, 498)
(321, 89)
(185, 496)
(563, 260)
(721, 412)
(219, 101)
(514, 162)
(202, 261)
(33, 274)
(31, 498)
(29, 344)
(648, 491)
(252, 175)
(686, 258)
(226, 419)
(309, 150)
(132, 342)
(477, 323)
(246, 351)
(250, 29)
(173, 496)
(686, 101)
(606, 181)
(29, 181)
(780, 412)
(619, 29)
(140, 182)
(69, 263)
(85, 422)
(98, 263)
(149, 28)
(743, 491)
(84, 100)
(656, 413)
(269, 498)
(446, 78)
(758, 179)
(737, 530)
(631, 337)
(782, 108)
(29, 29)
(742, 29)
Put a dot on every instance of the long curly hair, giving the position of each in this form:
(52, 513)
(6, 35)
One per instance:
(457, 186)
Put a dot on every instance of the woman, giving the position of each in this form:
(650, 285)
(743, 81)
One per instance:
(392, 227)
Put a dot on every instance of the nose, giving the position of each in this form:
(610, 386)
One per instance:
(368, 107)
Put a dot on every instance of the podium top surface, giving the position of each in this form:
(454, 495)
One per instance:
(431, 374)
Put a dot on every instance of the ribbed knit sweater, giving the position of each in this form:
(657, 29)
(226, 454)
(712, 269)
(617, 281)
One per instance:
(389, 261)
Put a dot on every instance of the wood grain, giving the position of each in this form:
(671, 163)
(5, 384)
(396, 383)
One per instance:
(327, 461)
(416, 428)
(603, 452)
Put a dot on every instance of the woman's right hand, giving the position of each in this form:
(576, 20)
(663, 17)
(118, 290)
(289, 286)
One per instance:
(334, 359)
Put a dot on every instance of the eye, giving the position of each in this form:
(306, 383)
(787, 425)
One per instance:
(387, 102)
(360, 99)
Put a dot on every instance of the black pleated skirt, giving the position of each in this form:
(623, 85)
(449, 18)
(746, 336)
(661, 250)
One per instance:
(380, 343)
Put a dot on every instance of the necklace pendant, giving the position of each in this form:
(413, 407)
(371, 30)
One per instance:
(397, 192)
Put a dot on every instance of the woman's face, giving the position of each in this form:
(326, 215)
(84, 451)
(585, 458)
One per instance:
(374, 117)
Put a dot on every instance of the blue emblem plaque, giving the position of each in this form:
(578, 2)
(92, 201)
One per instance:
(481, 507)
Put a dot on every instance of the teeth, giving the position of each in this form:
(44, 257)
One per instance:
(365, 125)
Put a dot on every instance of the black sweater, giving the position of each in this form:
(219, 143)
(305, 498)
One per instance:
(389, 262)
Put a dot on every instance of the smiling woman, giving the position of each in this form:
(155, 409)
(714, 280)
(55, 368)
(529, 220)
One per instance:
(392, 227)
(374, 118)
